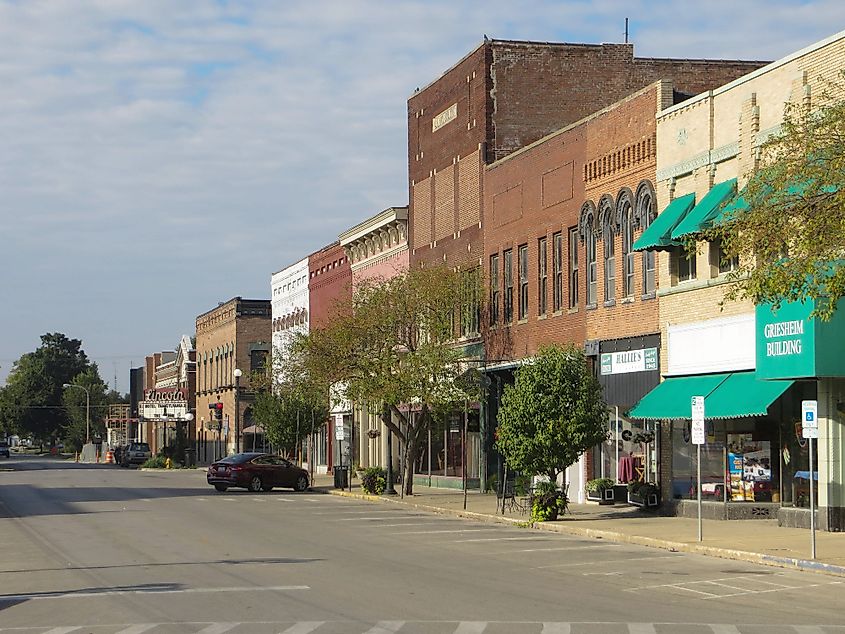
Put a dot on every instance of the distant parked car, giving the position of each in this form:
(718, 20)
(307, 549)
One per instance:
(256, 472)
(135, 453)
(4, 448)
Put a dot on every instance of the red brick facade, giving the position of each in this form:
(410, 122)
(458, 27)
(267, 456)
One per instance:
(548, 192)
(503, 96)
(329, 284)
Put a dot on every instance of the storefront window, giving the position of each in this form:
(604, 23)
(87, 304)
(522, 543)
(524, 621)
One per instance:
(629, 453)
(442, 452)
(684, 471)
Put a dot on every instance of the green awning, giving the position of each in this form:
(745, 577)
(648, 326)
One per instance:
(673, 397)
(737, 204)
(658, 235)
(727, 395)
(743, 394)
(703, 214)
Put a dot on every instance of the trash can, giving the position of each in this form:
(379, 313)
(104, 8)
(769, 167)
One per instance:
(190, 457)
(341, 477)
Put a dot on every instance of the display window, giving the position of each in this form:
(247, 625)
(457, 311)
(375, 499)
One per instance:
(630, 452)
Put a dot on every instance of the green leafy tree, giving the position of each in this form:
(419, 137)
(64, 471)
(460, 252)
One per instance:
(552, 413)
(285, 414)
(33, 396)
(788, 230)
(394, 347)
(74, 400)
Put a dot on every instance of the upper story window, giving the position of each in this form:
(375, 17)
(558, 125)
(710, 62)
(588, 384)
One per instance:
(542, 276)
(644, 214)
(719, 262)
(494, 289)
(607, 220)
(507, 275)
(557, 271)
(628, 256)
(592, 273)
(573, 267)
(684, 260)
(523, 281)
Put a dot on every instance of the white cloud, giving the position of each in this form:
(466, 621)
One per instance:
(174, 154)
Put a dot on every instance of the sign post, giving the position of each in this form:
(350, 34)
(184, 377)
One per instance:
(698, 436)
(810, 431)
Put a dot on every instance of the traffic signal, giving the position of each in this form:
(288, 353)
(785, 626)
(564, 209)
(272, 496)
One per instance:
(218, 411)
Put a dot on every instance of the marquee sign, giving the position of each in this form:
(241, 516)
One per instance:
(164, 404)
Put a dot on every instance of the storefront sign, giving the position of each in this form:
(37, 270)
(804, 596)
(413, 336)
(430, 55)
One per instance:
(792, 345)
(629, 361)
(168, 395)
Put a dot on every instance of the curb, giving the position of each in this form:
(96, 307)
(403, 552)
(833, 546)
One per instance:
(806, 565)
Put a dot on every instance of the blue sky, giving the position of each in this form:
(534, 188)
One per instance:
(158, 157)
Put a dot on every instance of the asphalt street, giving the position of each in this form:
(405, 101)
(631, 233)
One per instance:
(104, 550)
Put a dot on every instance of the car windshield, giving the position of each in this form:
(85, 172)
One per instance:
(239, 458)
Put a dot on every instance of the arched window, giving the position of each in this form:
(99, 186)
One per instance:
(609, 228)
(644, 214)
(587, 231)
(625, 217)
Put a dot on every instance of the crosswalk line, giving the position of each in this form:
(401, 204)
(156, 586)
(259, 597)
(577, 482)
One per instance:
(303, 627)
(471, 627)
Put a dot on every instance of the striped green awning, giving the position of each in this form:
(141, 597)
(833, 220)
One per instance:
(726, 395)
(658, 235)
(703, 214)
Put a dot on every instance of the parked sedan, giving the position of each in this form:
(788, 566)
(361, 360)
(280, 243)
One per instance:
(256, 472)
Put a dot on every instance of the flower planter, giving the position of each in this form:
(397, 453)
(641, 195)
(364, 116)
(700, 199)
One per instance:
(649, 501)
(602, 496)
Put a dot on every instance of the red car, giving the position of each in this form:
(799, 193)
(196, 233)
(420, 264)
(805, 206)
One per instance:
(256, 472)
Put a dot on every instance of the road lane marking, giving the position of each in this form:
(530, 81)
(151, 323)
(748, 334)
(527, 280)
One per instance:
(372, 519)
(138, 629)
(63, 630)
(303, 627)
(386, 627)
(218, 628)
(609, 561)
(459, 530)
(724, 629)
(808, 629)
(556, 628)
(499, 539)
(141, 591)
(471, 627)
(401, 525)
(641, 628)
(554, 548)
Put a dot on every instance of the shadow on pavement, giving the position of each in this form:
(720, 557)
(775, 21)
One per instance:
(225, 562)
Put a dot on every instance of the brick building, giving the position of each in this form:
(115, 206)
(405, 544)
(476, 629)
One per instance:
(560, 218)
(754, 462)
(329, 293)
(236, 335)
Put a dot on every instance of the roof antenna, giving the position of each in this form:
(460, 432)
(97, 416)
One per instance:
(626, 30)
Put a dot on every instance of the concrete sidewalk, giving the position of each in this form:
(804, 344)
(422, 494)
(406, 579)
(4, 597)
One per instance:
(757, 541)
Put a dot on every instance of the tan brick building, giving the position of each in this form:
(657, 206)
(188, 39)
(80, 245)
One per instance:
(707, 148)
(234, 335)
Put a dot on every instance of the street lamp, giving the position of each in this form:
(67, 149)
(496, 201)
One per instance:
(238, 375)
(87, 409)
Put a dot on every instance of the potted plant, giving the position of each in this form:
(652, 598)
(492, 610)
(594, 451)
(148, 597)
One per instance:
(373, 481)
(644, 494)
(547, 502)
(600, 490)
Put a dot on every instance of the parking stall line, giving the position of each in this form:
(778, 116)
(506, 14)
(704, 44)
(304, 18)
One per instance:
(64, 630)
(218, 628)
(598, 562)
(556, 628)
(641, 628)
(500, 539)
(546, 550)
(140, 628)
(371, 519)
(808, 629)
(471, 627)
(386, 627)
(724, 628)
(303, 627)
(458, 530)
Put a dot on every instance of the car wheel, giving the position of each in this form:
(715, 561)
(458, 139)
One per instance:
(301, 483)
(220, 487)
(255, 484)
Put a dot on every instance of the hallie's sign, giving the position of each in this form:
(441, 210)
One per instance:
(629, 361)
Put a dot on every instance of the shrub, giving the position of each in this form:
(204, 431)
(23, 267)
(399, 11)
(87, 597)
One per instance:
(547, 502)
(599, 484)
(374, 480)
(156, 462)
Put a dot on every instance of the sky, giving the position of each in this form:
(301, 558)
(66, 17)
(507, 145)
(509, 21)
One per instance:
(159, 157)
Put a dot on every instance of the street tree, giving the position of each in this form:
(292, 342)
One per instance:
(75, 430)
(552, 413)
(33, 396)
(286, 413)
(788, 227)
(395, 347)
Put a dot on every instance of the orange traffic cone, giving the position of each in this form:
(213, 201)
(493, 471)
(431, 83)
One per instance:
(109, 457)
